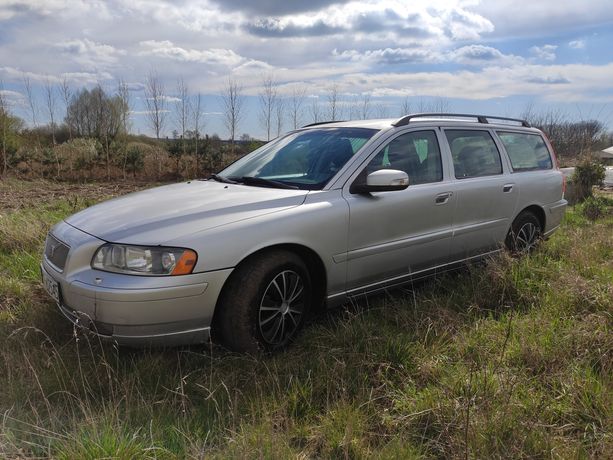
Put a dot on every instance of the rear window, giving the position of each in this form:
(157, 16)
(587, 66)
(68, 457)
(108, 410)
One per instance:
(527, 152)
(474, 153)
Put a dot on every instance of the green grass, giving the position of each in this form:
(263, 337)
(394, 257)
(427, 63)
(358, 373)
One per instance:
(512, 358)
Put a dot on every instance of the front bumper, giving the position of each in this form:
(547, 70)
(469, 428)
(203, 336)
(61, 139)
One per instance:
(164, 316)
(132, 310)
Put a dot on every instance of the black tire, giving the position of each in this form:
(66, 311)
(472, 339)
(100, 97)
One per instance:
(525, 233)
(265, 303)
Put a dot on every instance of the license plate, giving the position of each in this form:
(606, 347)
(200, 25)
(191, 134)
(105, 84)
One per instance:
(51, 286)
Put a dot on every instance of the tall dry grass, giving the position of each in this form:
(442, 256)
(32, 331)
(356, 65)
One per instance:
(511, 358)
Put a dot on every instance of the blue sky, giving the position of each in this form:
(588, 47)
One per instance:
(493, 57)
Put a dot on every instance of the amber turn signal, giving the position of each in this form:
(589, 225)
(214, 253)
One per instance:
(186, 263)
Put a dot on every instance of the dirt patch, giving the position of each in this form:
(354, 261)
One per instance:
(24, 194)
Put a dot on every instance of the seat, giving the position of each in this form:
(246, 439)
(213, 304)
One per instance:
(339, 153)
(404, 157)
(467, 164)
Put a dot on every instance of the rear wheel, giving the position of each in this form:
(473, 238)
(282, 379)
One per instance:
(525, 233)
(265, 303)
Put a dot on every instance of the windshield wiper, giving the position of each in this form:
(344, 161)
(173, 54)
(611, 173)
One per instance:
(250, 180)
(223, 179)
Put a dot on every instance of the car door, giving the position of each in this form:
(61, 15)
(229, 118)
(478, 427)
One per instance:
(486, 193)
(392, 234)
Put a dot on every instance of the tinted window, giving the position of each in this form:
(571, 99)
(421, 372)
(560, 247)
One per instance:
(527, 152)
(415, 153)
(474, 153)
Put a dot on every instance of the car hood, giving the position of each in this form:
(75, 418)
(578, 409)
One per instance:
(167, 213)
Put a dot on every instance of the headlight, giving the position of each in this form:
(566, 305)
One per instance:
(141, 260)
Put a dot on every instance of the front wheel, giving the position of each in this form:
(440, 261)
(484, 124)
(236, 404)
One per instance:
(265, 303)
(525, 233)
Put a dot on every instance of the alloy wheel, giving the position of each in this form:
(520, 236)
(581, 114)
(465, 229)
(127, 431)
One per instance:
(527, 237)
(281, 308)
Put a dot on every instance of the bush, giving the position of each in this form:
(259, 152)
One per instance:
(593, 208)
(79, 155)
(588, 173)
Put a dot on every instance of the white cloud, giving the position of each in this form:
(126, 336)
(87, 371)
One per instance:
(543, 17)
(545, 52)
(577, 44)
(389, 56)
(562, 83)
(14, 8)
(79, 78)
(479, 55)
(12, 98)
(466, 25)
(474, 55)
(90, 54)
(216, 57)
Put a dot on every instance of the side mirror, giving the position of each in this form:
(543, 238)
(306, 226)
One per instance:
(384, 180)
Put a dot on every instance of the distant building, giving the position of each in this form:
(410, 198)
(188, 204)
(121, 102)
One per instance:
(606, 156)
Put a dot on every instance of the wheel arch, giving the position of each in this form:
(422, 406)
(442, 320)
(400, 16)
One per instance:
(538, 211)
(313, 261)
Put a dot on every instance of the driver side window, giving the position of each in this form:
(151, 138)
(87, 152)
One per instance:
(416, 153)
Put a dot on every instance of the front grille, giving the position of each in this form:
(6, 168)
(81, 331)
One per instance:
(56, 252)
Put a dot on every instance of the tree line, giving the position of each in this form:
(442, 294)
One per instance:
(92, 136)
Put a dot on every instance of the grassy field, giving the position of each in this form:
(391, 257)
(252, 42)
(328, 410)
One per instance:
(512, 358)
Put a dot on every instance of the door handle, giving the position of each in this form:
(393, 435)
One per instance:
(443, 198)
(507, 188)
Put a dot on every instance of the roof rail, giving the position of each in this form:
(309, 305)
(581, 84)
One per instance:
(480, 118)
(322, 123)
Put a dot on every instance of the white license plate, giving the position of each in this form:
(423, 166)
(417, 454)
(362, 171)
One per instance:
(51, 286)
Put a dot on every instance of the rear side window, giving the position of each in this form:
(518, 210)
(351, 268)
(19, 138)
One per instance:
(416, 153)
(474, 153)
(527, 152)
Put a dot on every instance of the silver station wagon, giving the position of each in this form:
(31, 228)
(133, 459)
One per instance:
(313, 218)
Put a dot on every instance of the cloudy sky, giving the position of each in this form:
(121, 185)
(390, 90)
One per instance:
(489, 56)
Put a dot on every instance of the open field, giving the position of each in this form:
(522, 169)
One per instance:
(512, 358)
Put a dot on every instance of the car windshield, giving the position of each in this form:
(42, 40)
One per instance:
(305, 159)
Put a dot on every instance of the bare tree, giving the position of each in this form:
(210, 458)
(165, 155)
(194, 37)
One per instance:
(182, 108)
(268, 104)
(315, 109)
(333, 103)
(353, 107)
(365, 106)
(381, 110)
(405, 107)
(27, 85)
(279, 110)
(441, 105)
(50, 102)
(123, 96)
(66, 94)
(233, 102)
(32, 105)
(123, 93)
(109, 121)
(195, 110)
(296, 100)
(95, 114)
(4, 119)
(155, 100)
(437, 105)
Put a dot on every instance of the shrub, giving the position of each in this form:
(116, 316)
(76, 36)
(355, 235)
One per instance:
(588, 173)
(79, 155)
(594, 207)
